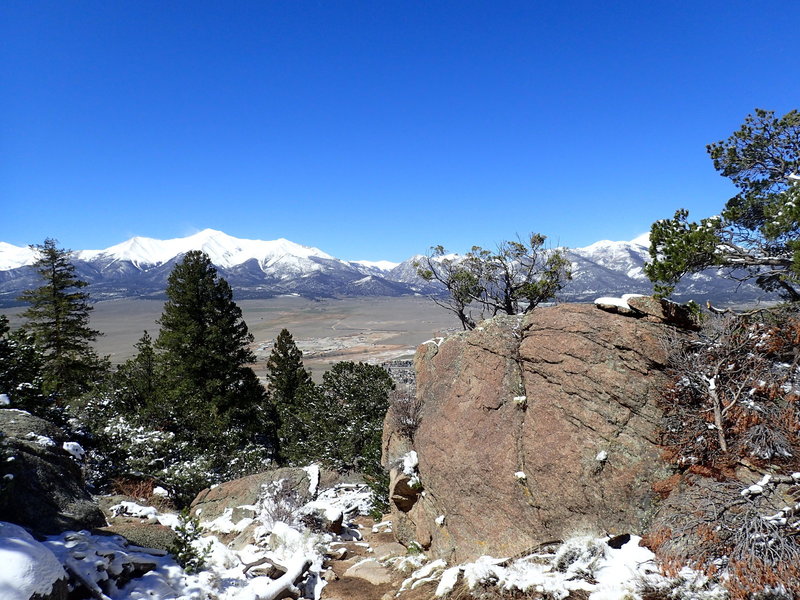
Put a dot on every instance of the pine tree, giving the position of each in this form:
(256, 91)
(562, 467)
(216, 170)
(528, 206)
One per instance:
(21, 371)
(293, 395)
(58, 320)
(136, 383)
(757, 235)
(355, 397)
(211, 393)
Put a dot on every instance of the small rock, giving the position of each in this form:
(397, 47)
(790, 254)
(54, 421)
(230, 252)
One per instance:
(370, 570)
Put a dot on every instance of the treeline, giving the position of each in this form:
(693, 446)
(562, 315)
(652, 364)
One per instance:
(187, 410)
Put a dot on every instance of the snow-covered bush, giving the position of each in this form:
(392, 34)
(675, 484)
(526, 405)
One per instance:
(119, 448)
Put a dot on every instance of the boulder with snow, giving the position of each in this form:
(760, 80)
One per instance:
(28, 569)
(498, 475)
(45, 487)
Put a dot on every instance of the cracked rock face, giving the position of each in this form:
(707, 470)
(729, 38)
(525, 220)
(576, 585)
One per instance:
(533, 429)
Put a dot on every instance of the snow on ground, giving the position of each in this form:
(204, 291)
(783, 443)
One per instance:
(581, 563)
(26, 566)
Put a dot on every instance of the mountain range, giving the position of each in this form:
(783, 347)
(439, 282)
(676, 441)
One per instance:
(140, 266)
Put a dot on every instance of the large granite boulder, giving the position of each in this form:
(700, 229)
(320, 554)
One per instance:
(530, 429)
(44, 484)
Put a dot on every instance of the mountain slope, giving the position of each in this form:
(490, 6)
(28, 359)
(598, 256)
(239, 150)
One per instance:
(140, 266)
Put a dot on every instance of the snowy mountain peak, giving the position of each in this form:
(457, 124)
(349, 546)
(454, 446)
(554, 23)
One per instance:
(12, 257)
(381, 265)
(223, 250)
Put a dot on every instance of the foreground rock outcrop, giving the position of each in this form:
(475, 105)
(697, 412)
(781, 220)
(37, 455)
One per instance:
(530, 429)
(45, 488)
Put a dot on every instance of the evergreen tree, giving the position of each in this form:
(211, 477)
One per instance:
(757, 236)
(137, 383)
(354, 401)
(21, 371)
(58, 320)
(294, 396)
(211, 392)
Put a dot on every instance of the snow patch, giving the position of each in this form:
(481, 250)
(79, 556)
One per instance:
(27, 567)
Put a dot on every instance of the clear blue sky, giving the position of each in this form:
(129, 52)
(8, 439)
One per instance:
(375, 129)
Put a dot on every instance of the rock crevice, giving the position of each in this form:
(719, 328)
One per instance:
(533, 428)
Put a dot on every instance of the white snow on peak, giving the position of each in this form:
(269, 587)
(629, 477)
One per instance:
(609, 246)
(223, 250)
(383, 265)
(13, 257)
(642, 240)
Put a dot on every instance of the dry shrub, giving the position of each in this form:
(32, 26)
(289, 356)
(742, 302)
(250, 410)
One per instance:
(754, 579)
(665, 486)
(141, 489)
(404, 411)
(135, 487)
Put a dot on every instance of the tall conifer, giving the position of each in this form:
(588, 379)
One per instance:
(58, 319)
(292, 392)
(211, 392)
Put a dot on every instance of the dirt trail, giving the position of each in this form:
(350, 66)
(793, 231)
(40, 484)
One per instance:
(360, 573)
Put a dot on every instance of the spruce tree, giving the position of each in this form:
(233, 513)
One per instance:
(58, 320)
(211, 393)
(354, 398)
(293, 395)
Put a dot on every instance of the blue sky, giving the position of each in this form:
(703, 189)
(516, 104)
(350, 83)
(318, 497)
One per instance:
(375, 129)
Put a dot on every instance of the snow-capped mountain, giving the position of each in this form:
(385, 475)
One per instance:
(140, 266)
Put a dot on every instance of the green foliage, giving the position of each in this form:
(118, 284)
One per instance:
(185, 548)
(757, 235)
(58, 320)
(293, 393)
(691, 247)
(187, 411)
(21, 371)
(514, 279)
(354, 400)
(211, 395)
(137, 383)
(339, 422)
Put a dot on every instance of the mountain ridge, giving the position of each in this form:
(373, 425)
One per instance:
(140, 266)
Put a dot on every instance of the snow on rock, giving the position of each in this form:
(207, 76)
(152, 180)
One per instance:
(27, 567)
(75, 449)
(313, 479)
(611, 301)
(42, 440)
(580, 564)
(4, 401)
(410, 463)
(131, 509)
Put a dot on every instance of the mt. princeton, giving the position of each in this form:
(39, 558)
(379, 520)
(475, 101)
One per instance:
(139, 267)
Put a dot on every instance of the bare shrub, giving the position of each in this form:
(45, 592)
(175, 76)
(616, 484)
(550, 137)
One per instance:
(281, 502)
(404, 411)
(766, 442)
(730, 398)
(733, 403)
